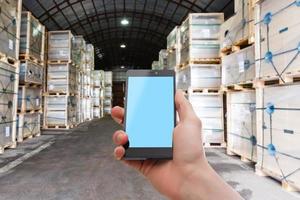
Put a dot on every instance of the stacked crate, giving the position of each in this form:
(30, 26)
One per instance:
(155, 65)
(277, 44)
(31, 74)
(199, 73)
(163, 59)
(98, 93)
(61, 95)
(173, 49)
(87, 104)
(10, 19)
(108, 92)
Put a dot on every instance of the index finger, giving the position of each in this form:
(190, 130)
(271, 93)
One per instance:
(117, 114)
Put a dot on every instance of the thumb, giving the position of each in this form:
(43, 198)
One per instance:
(183, 107)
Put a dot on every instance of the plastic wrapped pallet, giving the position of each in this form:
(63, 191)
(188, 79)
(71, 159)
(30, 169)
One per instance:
(119, 75)
(9, 27)
(155, 66)
(200, 36)
(89, 57)
(238, 67)
(98, 78)
(172, 38)
(61, 78)
(60, 111)
(277, 39)
(60, 45)
(31, 73)
(97, 112)
(97, 96)
(240, 26)
(29, 99)
(163, 60)
(78, 48)
(108, 77)
(278, 128)
(199, 76)
(32, 37)
(29, 124)
(209, 108)
(241, 124)
(108, 92)
(8, 105)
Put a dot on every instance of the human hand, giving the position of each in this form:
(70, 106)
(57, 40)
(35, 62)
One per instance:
(172, 178)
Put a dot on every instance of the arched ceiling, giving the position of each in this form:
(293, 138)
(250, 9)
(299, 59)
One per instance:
(99, 22)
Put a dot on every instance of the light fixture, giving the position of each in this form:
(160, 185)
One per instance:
(122, 67)
(123, 46)
(124, 22)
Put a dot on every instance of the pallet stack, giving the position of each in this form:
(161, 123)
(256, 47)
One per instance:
(277, 44)
(173, 49)
(10, 23)
(61, 95)
(155, 65)
(199, 73)
(108, 92)
(32, 46)
(163, 59)
(98, 93)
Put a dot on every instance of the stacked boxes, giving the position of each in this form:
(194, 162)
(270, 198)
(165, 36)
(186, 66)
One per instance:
(155, 65)
(199, 73)
(60, 97)
(108, 92)
(277, 72)
(163, 59)
(98, 93)
(173, 49)
(10, 18)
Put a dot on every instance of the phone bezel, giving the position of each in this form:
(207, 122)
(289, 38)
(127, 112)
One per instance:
(134, 153)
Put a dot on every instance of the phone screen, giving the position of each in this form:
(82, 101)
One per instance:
(150, 112)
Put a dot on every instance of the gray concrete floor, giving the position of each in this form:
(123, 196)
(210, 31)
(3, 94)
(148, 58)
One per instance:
(79, 165)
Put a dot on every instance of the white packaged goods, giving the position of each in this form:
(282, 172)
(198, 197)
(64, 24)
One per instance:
(238, 67)
(241, 124)
(278, 128)
(155, 66)
(60, 45)
(98, 78)
(108, 92)
(89, 57)
(163, 60)
(172, 59)
(119, 75)
(32, 37)
(277, 39)
(199, 76)
(9, 23)
(97, 112)
(31, 73)
(29, 124)
(209, 108)
(108, 77)
(240, 26)
(174, 48)
(173, 38)
(78, 48)
(29, 98)
(61, 78)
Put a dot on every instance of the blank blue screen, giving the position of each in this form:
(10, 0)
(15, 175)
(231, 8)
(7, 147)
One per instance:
(150, 111)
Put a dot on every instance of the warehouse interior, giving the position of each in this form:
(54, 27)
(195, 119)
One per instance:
(63, 68)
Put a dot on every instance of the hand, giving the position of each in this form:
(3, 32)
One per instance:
(172, 178)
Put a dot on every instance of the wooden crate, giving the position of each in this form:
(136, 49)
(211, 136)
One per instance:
(278, 138)
(277, 40)
(60, 46)
(29, 99)
(32, 39)
(31, 73)
(8, 105)
(241, 124)
(10, 30)
(29, 125)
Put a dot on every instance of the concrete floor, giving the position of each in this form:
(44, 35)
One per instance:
(79, 165)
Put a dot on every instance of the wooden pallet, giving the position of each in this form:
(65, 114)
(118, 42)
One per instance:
(200, 61)
(285, 79)
(59, 94)
(285, 184)
(31, 58)
(214, 145)
(243, 158)
(32, 85)
(204, 90)
(21, 139)
(12, 145)
(58, 127)
(20, 111)
(248, 85)
(237, 46)
(8, 59)
(55, 62)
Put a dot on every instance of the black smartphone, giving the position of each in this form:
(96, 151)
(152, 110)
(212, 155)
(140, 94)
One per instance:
(149, 114)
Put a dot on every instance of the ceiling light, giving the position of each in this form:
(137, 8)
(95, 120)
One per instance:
(123, 46)
(124, 22)
(122, 67)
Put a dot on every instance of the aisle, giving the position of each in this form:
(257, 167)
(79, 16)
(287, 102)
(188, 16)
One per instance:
(76, 166)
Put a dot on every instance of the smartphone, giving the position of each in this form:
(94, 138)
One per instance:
(149, 114)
